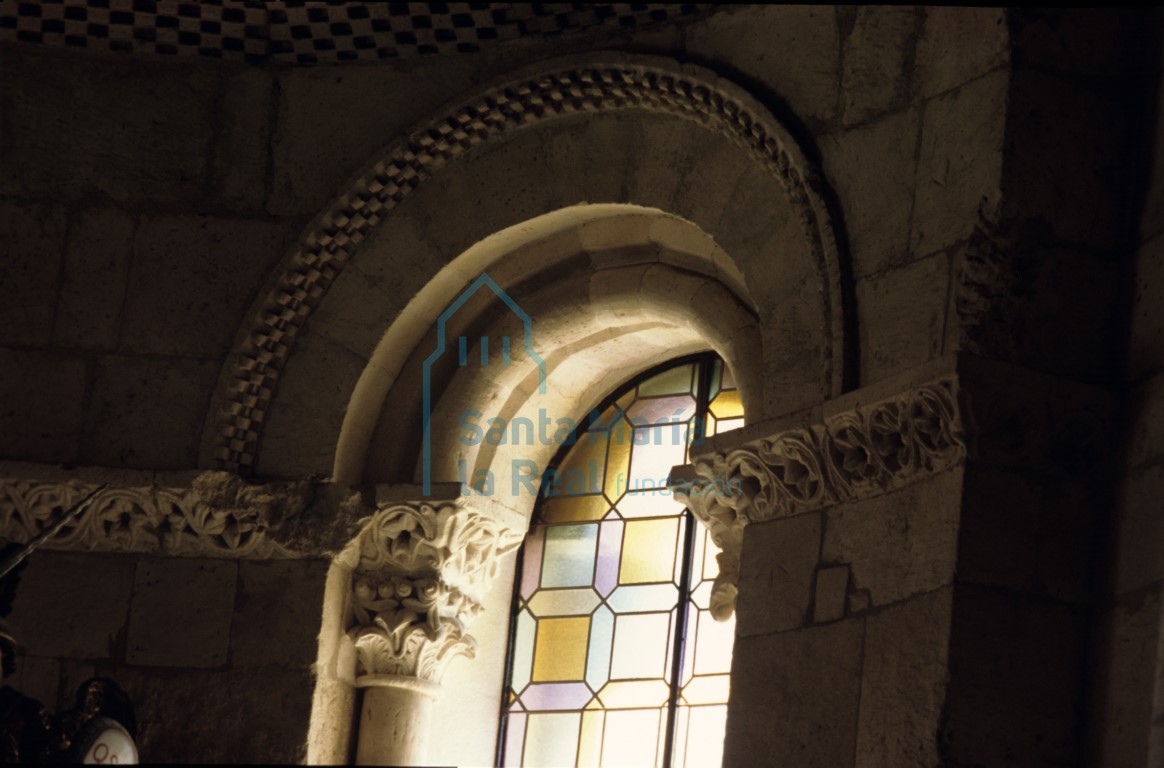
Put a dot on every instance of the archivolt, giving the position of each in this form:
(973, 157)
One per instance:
(609, 84)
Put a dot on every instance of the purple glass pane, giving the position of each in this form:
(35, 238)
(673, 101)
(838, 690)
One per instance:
(514, 738)
(609, 546)
(662, 409)
(556, 696)
(532, 567)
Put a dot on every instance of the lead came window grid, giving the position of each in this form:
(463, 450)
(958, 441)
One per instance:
(597, 623)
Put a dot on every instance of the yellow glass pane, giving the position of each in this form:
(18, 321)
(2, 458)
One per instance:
(713, 689)
(618, 465)
(582, 469)
(590, 740)
(633, 694)
(727, 405)
(648, 551)
(560, 651)
(573, 509)
(651, 503)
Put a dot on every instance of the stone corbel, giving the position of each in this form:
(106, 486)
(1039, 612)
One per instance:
(419, 573)
(854, 454)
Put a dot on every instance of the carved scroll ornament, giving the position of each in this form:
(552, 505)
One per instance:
(419, 573)
(175, 521)
(853, 455)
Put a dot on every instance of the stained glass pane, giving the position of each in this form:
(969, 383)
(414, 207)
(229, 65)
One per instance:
(569, 552)
(573, 509)
(651, 597)
(648, 551)
(601, 641)
(628, 694)
(648, 504)
(631, 738)
(563, 602)
(656, 450)
(727, 405)
(713, 645)
(523, 645)
(674, 381)
(640, 646)
(560, 650)
(551, 739)
(705, 728)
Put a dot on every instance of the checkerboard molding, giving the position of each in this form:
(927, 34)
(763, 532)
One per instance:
(307, 33)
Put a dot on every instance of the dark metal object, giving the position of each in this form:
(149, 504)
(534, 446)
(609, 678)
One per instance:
(17, 557)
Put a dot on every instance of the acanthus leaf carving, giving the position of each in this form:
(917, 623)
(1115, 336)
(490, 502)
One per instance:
(853, 455)
(419, 571)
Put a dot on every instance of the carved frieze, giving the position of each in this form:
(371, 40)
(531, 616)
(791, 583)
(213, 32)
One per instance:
(420, 570)
(170, 520)
(853, 455)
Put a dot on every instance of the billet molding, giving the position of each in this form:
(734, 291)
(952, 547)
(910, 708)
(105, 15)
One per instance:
(171, 520)
(852, 455)
(275, 32)
(597, 86)
(419, 573)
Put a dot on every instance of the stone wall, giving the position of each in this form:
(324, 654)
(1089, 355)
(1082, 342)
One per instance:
(215, 654)
(1129, 702)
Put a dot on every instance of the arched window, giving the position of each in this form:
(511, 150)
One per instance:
(614, 657)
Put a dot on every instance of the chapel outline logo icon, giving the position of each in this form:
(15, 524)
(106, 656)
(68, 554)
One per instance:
(462, 359)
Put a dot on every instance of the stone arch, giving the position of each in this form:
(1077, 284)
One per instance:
(609, 128)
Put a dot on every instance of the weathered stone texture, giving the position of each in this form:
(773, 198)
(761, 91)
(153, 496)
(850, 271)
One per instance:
(877, 56)
(958, 44)
(898, 333)
(33, 244)
(1146, 351)
(42, 397)
(960, 162)
(181, 612)
(96, 272)
(118, 130)
(192, 280)
(831, 596)
(242, 154)
(1066, 147)
(872, 169)
(900, 544)
(277, 613)
(777, 569)
(72, 605)
(795, 697)
(903, 683)
(1124, 693)
(797, 57)
(147, 412)
(1146, 423)
(1139, 531)
(329, 122)
(1016, 680)
(220, 716)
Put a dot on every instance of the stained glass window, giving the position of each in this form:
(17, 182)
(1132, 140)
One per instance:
(614, 657)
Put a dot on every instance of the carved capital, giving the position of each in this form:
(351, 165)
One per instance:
(854, 454)
(420, 570)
